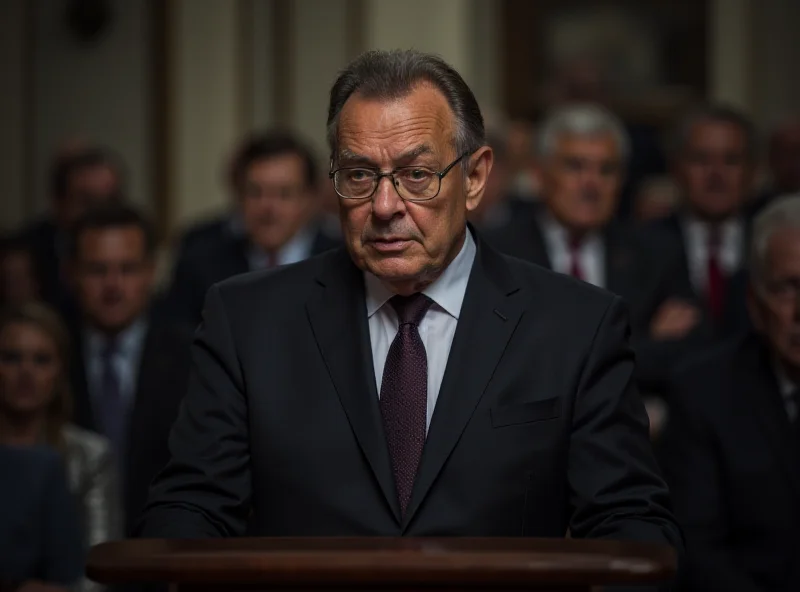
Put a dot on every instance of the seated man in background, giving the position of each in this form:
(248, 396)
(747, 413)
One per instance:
(582, 152)
(275, 179)
(79, 179)
(41, 548)
(713, 162)
(130, 372)
(732, 444)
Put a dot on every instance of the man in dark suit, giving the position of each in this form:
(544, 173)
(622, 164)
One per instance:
(713, 161)
(582, 153)
(732, 445)
(130, 372)
(417, 382)
(274, 177)
(80, 179)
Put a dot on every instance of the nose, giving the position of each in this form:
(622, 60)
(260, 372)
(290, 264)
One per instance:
(386, 202)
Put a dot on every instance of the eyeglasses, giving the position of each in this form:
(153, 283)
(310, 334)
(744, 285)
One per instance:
(412, 183)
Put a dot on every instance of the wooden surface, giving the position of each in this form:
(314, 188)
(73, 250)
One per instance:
(319, 563)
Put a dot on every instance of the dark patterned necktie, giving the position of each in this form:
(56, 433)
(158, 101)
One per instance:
(404, 394)
(715, 291)
(111, 410)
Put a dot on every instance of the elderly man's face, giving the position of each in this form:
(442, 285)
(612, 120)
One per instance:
(774, 299)
(581, 181)
(407, 244)
(715, 170)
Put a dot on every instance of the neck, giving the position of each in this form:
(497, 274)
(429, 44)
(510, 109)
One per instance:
(21, 431)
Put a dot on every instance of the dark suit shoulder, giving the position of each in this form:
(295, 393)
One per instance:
(285, 281)
(560, 292)
(713, 373)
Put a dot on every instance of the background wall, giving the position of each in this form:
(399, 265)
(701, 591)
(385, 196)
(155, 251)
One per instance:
(98, 90)
(172, 89)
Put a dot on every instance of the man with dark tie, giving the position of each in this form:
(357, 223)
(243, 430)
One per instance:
(416, 382)
(582, 151)
(130, 371)
(274, 178)
(713, 156)
(80, 179)
(732, 444)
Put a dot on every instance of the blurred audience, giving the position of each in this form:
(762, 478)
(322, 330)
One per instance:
(713, 159)
(494, 208)
(783, 159)
(129, 373)
(275, 180)
(582, 153)
(80, 178)
(656, 198)
(35, 407)
(19, 281)
(41, 549)
(731, 444)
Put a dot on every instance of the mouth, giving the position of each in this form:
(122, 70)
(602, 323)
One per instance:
(390, 244)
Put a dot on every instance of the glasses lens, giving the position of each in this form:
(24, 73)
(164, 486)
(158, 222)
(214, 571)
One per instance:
(416, 183)
(354, 183)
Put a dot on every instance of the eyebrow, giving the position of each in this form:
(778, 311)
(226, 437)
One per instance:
(352, 158)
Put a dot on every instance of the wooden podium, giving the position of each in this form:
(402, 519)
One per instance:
(380, 564)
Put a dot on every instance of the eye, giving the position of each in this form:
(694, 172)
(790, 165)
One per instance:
(358, 175)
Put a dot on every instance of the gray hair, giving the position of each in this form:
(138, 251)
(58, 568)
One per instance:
(783, 213)
(712, 113)
(395, 74)
(582, 120)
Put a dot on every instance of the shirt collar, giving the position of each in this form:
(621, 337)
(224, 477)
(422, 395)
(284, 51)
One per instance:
(447, 291)
(556, 234)
(128, 339)
(786, 386)
(730, 229)
(296, 249)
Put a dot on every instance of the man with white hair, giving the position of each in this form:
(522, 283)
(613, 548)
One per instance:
(583, 150)
(732, 445)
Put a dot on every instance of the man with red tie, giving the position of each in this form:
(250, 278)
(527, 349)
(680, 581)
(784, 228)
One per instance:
(416, 382)
(582, 154)
(713, 156)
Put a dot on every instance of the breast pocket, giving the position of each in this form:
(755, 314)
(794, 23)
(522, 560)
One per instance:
(523, 413)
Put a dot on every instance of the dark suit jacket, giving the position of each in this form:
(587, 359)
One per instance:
(203, 265)
(538, 426)
(161, 385)
(43, 238)
(645, 269)
(735, 321)
(733, 464)
(40, 532)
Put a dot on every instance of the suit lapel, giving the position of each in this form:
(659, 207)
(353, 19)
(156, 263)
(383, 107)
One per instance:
(760, 389)
(338, 318)
(488, 318)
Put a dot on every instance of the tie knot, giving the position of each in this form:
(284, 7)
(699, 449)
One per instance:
(411, 309)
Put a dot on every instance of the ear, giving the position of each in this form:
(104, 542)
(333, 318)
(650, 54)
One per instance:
(481, 166)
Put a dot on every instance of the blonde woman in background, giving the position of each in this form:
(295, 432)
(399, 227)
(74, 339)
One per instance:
(35, 403)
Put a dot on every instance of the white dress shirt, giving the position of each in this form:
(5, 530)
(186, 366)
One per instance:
(437, 327)
(730, 249)
(591, 252)
(297, 249)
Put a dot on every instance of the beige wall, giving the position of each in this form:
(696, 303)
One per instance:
(205, 103)
(13, 148)
(224, 77)
(100, 91)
